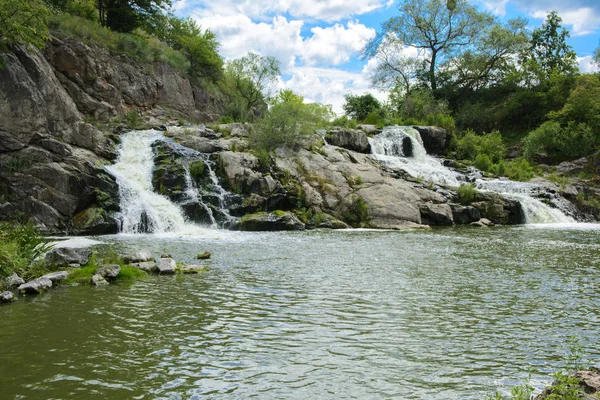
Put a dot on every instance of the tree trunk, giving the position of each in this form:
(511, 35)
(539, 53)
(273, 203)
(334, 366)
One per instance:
(432, 79)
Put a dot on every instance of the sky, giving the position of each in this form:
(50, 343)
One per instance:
(319, 42)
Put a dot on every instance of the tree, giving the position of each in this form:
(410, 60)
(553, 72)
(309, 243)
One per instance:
(549, 52)
(22, 22)
(252, 79)
(359, 107)
(289, 122)
(437, 28)
(597, 56)
(127, 15)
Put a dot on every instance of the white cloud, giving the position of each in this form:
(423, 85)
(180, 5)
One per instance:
(329, 85)
(335, 45)
(583, 21)
(587, 64)
(497, 7)
(322, 10)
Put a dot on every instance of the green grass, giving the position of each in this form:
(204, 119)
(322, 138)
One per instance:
(466, 193)
(81, 276)
(138, 46)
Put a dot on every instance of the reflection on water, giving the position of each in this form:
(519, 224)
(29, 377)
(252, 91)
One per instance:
(442, 314)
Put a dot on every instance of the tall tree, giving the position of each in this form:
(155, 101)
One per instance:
(597, 56)
(127, 15)
(252, 77)
(358, 107)
(22, 22)
(438, 28)
(395, 68)
(549, 52)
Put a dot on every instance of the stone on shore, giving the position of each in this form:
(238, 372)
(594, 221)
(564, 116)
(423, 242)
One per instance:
(193, 269)
(167, 266)
(98, 280)
(57, 276)
(14, 281)
(65, 256)
(148, 266)
(204, 256)
(109, 271)
(35, 286)
(7, 297)
(138, 256)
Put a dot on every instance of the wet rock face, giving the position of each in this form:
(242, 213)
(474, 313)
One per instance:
(65, 256)
(351, 139)
(275, 221)
(35, 286)
(435, 140)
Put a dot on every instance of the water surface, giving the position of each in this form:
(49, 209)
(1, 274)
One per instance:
(437, 314)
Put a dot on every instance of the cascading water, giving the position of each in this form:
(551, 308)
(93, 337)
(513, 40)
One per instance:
(390, 148)
(142, 210)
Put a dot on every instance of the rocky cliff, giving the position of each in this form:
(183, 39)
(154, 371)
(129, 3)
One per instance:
(51, 159)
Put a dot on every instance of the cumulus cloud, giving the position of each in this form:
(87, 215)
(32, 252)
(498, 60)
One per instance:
(587, 64)
(321, 10)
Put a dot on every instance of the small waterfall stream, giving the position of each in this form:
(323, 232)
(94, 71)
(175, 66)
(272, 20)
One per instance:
(390, 148)
(142, 209)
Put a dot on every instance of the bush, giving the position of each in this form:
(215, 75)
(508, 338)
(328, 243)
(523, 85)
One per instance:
(520, 170)
(357, 214)
(558, 142)
(470, 145)
(21, 245)
(466, 193)
(483, 162)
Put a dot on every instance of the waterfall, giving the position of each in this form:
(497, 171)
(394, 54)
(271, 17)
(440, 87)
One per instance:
(143, 210)
(390, 147)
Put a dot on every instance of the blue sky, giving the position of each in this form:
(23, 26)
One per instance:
(318, 42)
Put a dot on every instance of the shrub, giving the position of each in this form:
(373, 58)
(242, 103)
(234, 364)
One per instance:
(197, 170)
(357, 214)
(520, 170)
(21, 245)
(483, 162)
(470, 145)
(466, 193)
(558, 142)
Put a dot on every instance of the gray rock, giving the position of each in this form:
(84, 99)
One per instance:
(275, 221)
(369, 129)
(193, 269)
(464, 215)
(436, 214)
(351, 139)
(7, 297)
(98, 280)
(167, 266)
(148, 266)
(239, 130)
(14, 280)
(57, 276)
(138, 256)
(36, 286)
(63, 256)
(109, 271)
(435, 140)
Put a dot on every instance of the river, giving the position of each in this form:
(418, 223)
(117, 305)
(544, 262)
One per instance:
(452, 313)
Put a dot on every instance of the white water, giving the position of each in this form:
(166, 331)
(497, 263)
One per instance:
(133, 172)
(420, 165)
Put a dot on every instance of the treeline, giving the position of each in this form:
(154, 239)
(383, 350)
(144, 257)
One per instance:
(483, 80)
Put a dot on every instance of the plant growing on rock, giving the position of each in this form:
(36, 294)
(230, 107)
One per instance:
(466, 193)
(21, 245)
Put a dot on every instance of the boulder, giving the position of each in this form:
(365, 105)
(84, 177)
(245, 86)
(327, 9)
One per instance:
(7, 297)
(57, 276)
(138, 256)
(193, 269)
(464, 215)
(435, 140)
(274, 221)
(64, 256)
(109, 271)
(14, 280)
(370, 130)
(148, 266)
(167, 266)
(498, 209)
(204, 256)
(351, 139)
(98, 280)
(36, 286)
(436, 214)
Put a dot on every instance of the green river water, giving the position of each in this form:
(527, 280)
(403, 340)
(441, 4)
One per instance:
(436, 314)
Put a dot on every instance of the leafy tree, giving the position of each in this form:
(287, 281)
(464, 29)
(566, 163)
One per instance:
(289, 122)
(360, 106)
(250, 80)
(82, 8)
(439, 29)
(549, 52)
(22, 22)
(127, 15)
(597, 56)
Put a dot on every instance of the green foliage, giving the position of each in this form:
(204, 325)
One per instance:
(128, 273)
(289, 122)
(470, 145)
(142, 48)
(359, 107)
(21, 245)
(22, 22)
(483, 162)
(466, 193)
(82, 8)
(344, 122)
(519, 170)
(197, 170)
(133, 119)
(357, 214)
(83, 275)
(127, 15)
(558, 142)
